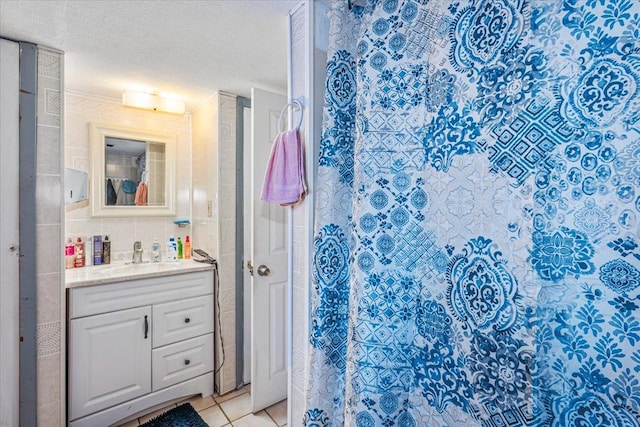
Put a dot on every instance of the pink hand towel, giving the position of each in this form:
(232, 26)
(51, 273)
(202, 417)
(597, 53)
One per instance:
(141, 195)
(284, 179)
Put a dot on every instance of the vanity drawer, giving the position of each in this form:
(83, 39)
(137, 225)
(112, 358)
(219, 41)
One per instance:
(179, 362)
(180, 320)
(89, 300)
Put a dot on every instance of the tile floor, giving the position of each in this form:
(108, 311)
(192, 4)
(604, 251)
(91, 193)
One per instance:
(231, 410)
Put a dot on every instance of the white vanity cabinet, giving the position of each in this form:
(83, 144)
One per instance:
(111, 359)
(137, 344)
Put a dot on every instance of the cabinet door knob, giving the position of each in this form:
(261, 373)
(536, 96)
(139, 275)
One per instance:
(187, 361)
(187, 320)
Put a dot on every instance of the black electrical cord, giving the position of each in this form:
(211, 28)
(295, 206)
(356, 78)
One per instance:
(216, 283)
(218, 317)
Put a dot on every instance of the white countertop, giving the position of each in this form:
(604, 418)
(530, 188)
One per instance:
(120, 272)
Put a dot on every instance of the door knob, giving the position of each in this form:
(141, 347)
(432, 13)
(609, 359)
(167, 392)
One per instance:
(263, 270)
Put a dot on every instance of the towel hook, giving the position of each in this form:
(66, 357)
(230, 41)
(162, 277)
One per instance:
(293, 103)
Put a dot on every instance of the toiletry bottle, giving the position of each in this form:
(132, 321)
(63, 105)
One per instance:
(179, 248)
(88, 250)
(169, 250)
(79, 249)
(97, 250)
(106, 250)
(69, 253)
(155, 251)
(187, 248)
(175, 248)
(172, 250)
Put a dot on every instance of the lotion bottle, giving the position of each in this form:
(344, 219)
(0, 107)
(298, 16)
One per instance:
(69, 253)
(179, 248)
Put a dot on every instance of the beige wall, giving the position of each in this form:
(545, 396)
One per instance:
(82, 109)
(50, 324)
(214, 185)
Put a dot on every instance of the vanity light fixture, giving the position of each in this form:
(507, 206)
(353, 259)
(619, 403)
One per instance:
(152, 101)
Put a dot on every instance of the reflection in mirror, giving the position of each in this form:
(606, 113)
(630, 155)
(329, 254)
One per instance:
(132, 171)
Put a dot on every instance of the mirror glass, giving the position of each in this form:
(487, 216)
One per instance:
(132, 171)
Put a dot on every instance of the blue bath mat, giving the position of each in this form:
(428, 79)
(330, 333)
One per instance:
(182, 416)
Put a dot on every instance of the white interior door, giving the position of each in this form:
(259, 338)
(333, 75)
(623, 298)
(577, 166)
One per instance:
(269, 250)
(9, 299)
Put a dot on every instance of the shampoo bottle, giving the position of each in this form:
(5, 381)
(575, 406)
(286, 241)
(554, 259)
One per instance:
(187, 248)
(106, 250)
(179, 248)
(69, 254)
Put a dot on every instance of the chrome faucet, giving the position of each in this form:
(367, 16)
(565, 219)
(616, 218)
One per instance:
(137, 252)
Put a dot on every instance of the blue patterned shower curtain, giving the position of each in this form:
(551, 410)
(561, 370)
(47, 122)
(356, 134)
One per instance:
(476, 258)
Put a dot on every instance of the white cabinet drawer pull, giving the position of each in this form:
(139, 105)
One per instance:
(187, 320)
(187, 361)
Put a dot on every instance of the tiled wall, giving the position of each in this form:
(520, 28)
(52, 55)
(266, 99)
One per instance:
(50, 327)
(205, 178)
(227, 237)
(214, 213)
(82, 109)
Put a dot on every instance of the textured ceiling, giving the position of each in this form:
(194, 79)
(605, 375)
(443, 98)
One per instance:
(187, 48)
